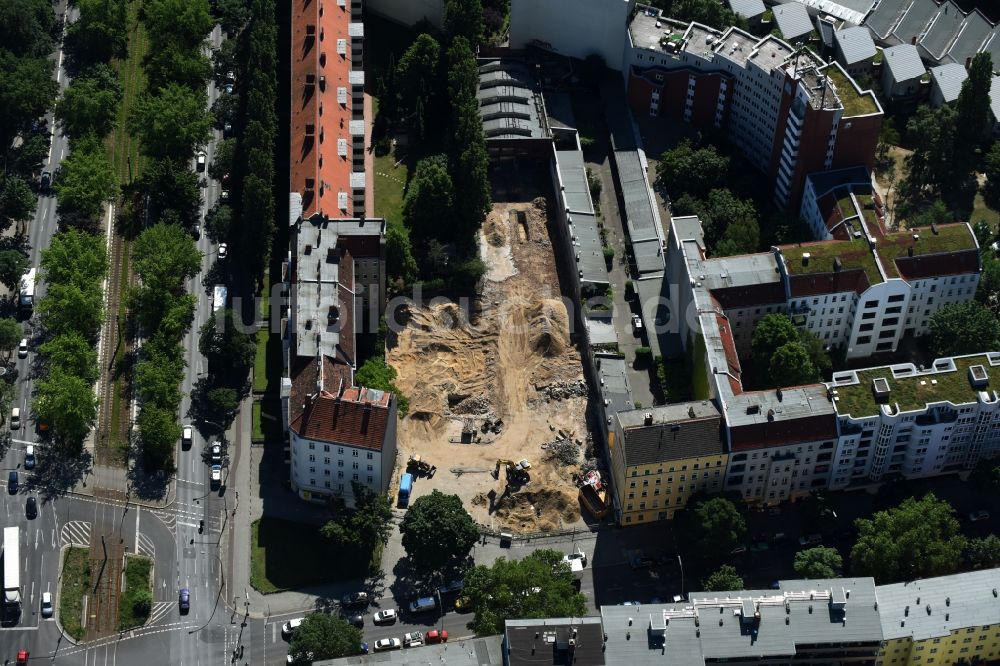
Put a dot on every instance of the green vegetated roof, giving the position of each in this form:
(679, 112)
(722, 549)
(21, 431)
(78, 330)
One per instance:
(859, 400)
(844, 203)
(855, 104)
(949, 238)
(853, 254)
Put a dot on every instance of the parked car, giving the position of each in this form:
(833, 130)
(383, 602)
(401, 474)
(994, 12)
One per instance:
(200, 164)
(31, 508)
(979, 515)
(45, 180)
(47, 609)
(216, 477)
(739, 550)
(229, 88)
(453, 586)
(216, 453)
(223, 247)
(22, 657)
(29, 457)
(435, 636)
(12, 482)
(463, 604)
(811, 540)
(384, 644)
(413, 639)
(288, 628)
(184, 600)
(354, 599)
(636, 323)
(356, 621)
(385, 616)
(15, 418)
(187, 436)
(423, 605)
(22, 348)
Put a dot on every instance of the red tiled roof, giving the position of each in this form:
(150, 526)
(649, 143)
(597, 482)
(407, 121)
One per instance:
(355, 418)
(779, 433)
(934, 265)
(815, 284)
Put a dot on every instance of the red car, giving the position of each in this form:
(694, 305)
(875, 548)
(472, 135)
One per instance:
(22, 657)
(435, 636)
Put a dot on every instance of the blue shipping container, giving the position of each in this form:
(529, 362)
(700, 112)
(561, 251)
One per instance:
(405, 486)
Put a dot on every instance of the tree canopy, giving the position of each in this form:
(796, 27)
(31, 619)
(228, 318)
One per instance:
(73, 353)
(963, 328)
(90, 104)
(10, 334)
(17, 201)
(363, 527)
(972, 117)
(323, 636)
(687, 169)
(171, 122)
(86, 182)
(819, 562)
(67, 403)
(712, 525)
(230, 351)
(723, 580)
(13, 265)
(917, 539)
(430, 197)
(537, 586)
(791, 366)
(437, 531)
(464, 18)
(984, 553)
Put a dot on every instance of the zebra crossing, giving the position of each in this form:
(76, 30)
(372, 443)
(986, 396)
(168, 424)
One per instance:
(160, 610)
(75, 533)
(144, 546)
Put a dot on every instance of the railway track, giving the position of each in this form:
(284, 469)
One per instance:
(116, 347)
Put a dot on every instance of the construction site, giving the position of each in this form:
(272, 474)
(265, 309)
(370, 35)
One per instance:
(497, 392)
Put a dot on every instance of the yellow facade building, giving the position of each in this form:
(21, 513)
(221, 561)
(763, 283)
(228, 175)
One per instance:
(941, 621)
(662, 455)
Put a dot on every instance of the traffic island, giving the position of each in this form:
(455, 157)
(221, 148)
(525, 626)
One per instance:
(74, 584)
(137, 597)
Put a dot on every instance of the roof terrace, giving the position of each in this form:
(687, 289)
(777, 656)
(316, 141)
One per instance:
(855, 103)
(853, 254)
(934, 240)
(948, 380)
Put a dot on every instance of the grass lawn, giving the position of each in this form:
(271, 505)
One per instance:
(123, 148)
(286, 555)
(390, 185)
(980, 211)
(267, 362)
(137, 581)
(266, 420)
(74, 583)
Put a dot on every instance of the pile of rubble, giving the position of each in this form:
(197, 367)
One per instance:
(492, 425)
(475, 404)
(566, 390)
(564, 451)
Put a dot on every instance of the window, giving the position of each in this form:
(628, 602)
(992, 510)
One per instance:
(864, 339)
(370, 455)
(354, 453)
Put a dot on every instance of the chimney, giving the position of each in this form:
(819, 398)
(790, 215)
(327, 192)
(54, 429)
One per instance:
(778, 392)
(837, 264)
(647, 418)
(909, 251)
(366, 418)
(691, 411)
(913, 40)
(770, 415)
(968, 62)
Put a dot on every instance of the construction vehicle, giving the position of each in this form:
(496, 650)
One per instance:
(405, 487)
(594, 495)
(420, 467)
(517, 472)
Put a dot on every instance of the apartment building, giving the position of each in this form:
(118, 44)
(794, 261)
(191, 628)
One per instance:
(338, 433)
(828, 621)
(662, 455)
(790, 113)
(573, 28)
(941, 621)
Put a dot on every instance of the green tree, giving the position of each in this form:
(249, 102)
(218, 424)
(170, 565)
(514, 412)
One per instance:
(984, 553)
(963, 328)
(772, 332)
(364, 527)
(158, 432)
(991, 168)
(27, 159)
(377, 374)
(233, 15)
(888, 136)
(175, 63)
(10, 335)
(973, 117)
(99, 34)
(988, 291)
(66, 402)
(75, 257)
(13, 265)
(723, 580)
(464, 18)
(819, 562)
(68, 307)
(791, 366)
(723, 210)
(539, 585)
(222, 161)
(437, 530)
(712, 525)
(469, 161)
(917, 539)
(690, 170)
(87, 181)
(165, 257)
(230, 351)
(430, 199)
(399, 253)
(26, 27)
(171, 122)
(90, 104)
(72, 353)
(159, 373)
(219, 220)
(174, 191)
(186, 22)
(708, 12)
(416, 74)
(323, 636)
(985, 477)
(223, 402)
(930, 163)
(27, 91)
(17, 201)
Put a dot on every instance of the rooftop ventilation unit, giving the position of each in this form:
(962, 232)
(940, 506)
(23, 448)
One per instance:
(342, 47)
(880, 387)
(978, 377)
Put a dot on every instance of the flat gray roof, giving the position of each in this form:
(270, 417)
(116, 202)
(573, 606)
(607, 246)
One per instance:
(508, 104)
(971, 39)
(904, 62)
(934, 607)
(711, 625)
(615, 391)
(949, 79)
(575, 194)
(640, 218)
(316, 299)
(532, 642)
(486, 651)
(856, 44)
(942, 31)
(793, 20)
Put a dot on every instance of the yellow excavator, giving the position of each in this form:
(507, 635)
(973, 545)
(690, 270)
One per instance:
(517, 472)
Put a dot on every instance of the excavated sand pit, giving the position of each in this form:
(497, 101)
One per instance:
(503, 382)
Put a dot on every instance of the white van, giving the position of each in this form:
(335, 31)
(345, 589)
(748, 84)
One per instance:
(15, 418)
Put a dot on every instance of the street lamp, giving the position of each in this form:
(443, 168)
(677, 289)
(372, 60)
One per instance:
(681, 562)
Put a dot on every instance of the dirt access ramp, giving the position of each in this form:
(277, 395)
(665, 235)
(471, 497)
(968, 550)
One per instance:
(510, 359)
